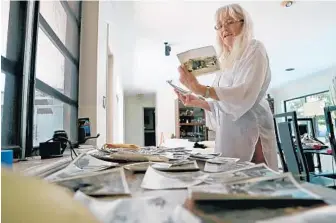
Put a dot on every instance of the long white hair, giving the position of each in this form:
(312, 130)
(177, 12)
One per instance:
(235, 11)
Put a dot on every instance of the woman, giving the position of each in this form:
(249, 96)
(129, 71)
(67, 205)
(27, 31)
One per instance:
(239, 111)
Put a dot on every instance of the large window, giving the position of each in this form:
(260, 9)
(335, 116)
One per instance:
(56, 68)
(39, 72)
(297, 104)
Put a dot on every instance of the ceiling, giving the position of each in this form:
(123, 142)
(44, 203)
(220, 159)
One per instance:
(302, 36)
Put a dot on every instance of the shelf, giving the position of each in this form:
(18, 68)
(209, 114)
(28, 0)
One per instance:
(192, 124)
(190, 116)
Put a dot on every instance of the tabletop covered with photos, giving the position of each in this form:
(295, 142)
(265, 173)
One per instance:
(126, 183)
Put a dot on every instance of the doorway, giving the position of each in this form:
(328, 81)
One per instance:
(149, 127)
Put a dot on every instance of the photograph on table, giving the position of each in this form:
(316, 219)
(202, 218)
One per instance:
(216, 167)
(200, 61)
(259, 170)
(140, 210)
(110, 182)
(83, 164)
(281, 185)
(223, 160)
(173, 166)
(159, 180)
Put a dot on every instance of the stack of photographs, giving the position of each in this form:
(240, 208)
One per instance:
(147, 154)
(130, 155)
(203, 156)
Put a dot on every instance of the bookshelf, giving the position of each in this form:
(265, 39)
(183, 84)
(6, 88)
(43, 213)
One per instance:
(190, 123)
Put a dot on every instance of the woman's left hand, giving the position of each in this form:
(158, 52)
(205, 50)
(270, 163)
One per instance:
(188, 79)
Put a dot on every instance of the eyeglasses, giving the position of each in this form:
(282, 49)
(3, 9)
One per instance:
(227, 23)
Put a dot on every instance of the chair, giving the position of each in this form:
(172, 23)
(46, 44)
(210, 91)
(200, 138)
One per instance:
(304, 128)
(291, 153)
(293, 160)
(330, 129)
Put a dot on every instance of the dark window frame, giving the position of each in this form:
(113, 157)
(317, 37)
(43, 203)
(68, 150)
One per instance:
(44, 87)
(305, 100)
(12, 66)
(304, 96)
(23, 67)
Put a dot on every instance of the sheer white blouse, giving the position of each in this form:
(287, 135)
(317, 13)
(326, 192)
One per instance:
(242, 115)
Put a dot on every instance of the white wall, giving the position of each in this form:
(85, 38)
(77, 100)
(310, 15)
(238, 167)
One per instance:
(95, 42)
(313, 83)
(122, 43)
(134, 117)
(118, 112)
(88, 64)
(165, 113)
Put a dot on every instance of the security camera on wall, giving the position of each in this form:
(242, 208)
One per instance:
(167, 49)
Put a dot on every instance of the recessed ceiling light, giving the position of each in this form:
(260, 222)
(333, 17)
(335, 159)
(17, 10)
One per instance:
(290, 69)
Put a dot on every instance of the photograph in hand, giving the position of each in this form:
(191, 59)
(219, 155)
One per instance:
(181, 90)
(200, 61)
(178, 89)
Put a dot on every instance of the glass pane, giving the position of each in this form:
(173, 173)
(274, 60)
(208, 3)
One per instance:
(63, 25)
(53, 68)
(325, 97)
(321, 126)
(2, 85)
(75, 5)
(296, 105)
(50, 115)
(320, 120)
(4, 28)
(9, 110)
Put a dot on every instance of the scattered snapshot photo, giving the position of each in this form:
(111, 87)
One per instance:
(204, 156)
(259, 170)
(172, 166)
(83, 164)
(216, 167)
(111, 182)
(159, 180)
(141, 210)
(200, 61)
(223, 160)
(281, 185)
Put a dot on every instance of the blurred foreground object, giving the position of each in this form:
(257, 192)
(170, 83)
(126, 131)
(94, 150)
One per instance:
(26, 199)
(7, 158)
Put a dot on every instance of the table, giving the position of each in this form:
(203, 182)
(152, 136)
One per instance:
(175, 196)
(309, 152)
